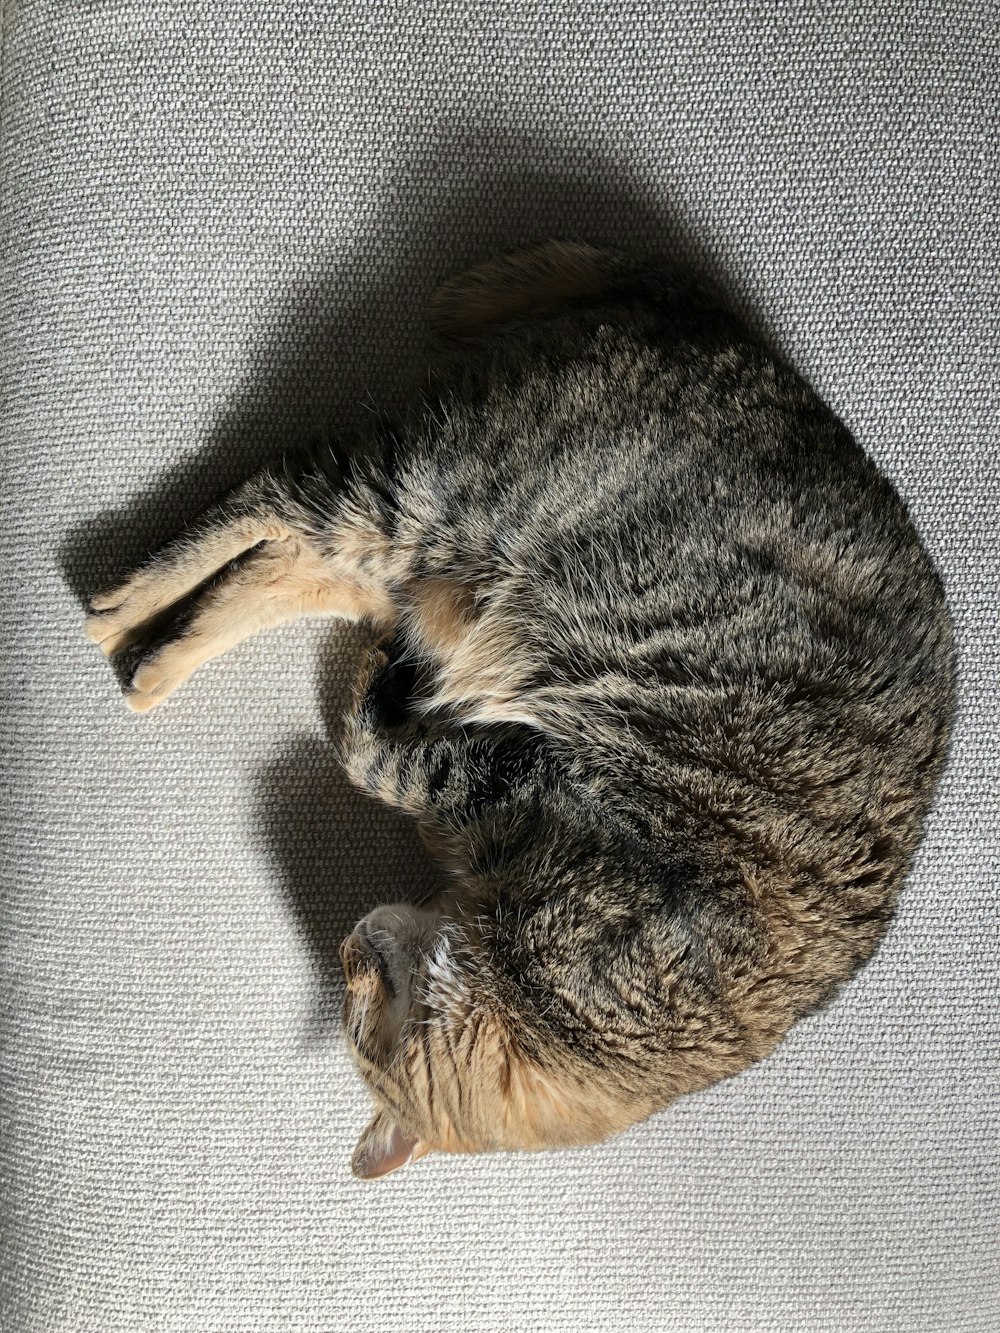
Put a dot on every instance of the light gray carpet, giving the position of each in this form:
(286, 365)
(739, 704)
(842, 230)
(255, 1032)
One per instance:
(217, 224)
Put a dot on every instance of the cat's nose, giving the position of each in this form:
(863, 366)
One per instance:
(361, 959)
(353, 958)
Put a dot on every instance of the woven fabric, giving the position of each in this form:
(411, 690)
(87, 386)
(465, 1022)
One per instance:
(218, 223)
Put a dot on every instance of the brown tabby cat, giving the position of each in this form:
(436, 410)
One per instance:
(664, 675)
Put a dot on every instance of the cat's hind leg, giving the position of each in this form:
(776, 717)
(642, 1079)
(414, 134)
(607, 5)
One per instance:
(279, 582)
(223, 533)
(257, 559)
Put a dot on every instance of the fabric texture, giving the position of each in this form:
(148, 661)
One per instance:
(218, 225)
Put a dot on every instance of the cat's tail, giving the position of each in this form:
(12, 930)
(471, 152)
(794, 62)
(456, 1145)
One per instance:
(523, 285)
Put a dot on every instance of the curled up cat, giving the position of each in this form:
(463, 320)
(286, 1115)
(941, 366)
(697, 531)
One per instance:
(659, 667)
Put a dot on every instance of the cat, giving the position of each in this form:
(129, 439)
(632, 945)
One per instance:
(659, 666)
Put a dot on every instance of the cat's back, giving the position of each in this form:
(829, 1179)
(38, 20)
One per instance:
(644, 537)
(645, 463)
(655, 540)
(623, 439)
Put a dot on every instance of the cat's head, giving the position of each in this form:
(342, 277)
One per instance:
(455, 1056)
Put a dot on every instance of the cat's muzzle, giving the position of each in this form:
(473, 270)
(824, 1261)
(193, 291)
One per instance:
(362, 960)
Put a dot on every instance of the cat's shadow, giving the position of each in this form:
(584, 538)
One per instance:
(365, 314)
(337, 853)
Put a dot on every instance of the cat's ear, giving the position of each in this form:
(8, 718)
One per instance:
(383, 1147)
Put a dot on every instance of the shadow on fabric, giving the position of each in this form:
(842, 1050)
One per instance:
(350, 336)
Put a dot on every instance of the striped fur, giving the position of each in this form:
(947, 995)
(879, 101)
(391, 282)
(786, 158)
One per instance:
(660, 668)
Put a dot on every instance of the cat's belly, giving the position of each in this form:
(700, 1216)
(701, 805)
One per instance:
(473, 660)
